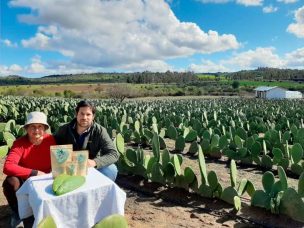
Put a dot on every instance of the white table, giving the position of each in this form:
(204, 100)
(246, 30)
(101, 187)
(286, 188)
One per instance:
(83, 207)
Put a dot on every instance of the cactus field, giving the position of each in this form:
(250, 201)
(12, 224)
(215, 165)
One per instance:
(230, 162)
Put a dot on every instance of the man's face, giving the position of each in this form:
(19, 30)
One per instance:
(85, 117)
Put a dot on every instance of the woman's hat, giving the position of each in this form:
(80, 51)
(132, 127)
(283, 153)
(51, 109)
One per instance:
(36, 118)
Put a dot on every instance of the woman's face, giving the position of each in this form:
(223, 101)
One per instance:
(35, 132)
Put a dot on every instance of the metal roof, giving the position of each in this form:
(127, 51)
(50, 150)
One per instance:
(265, 88)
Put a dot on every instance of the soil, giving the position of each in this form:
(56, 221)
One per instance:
(151, 205)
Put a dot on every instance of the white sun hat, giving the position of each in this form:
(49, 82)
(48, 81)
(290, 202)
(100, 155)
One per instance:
(36, 118)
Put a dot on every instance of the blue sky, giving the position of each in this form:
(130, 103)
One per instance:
(44, 37)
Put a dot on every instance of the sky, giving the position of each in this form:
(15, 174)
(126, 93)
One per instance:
(46, 37)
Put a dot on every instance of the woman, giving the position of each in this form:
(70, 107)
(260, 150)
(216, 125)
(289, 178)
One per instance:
(29, 156)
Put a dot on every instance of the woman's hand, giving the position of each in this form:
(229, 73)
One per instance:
(40, 173)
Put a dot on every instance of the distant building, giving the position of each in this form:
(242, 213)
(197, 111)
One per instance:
(293, 94)
(276, 92)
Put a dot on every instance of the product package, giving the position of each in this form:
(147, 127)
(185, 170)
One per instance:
(60, 156)
(80, 158)
(66, 161)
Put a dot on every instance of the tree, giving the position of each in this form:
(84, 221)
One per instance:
(235, 84)
(119, 92)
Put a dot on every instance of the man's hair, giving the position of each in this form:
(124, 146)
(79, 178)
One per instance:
(85, 103)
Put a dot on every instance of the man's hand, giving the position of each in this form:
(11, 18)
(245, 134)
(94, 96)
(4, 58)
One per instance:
(91, 163)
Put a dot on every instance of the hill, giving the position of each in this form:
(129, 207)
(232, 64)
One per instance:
(137, 78)
(66, 78)
(268, 74)
(259, 74)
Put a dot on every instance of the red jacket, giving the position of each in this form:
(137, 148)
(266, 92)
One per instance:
(25, 158)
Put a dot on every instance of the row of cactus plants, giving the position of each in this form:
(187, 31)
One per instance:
(166, 169)
(235, 145)
(240, 129)
(236, 135)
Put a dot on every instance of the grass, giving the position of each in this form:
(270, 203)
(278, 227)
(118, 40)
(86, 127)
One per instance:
(210, 77)
(51, 89)
(284, 84)
(222, 87)
(99, 90)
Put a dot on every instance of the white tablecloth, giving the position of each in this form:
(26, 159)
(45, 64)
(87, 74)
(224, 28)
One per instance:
(83, 207)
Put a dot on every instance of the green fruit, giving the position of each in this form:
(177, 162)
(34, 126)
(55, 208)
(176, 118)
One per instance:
(47, 222)
(58, 181)
(65, 183)
(112, 221)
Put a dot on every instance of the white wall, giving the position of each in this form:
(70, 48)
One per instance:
(276, 93)
(293, 94)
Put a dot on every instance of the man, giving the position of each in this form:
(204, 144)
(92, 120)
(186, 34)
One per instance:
(85, 134)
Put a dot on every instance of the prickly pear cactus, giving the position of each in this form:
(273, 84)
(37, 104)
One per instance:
(180, 144)
(301, 185)
(292, 205)
(120, 144)
(233, 173)
(228, 195)
(156, 146)
(202, 166)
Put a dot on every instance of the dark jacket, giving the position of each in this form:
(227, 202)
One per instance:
(97, 142)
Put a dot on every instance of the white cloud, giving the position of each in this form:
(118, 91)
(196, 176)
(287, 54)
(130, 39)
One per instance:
(297, 28)
(250, 2)
(252, 59)
(50, 30)
(295, 59)
(115, 33)
(260, 57)
(214, 1)
(153, 66)
(37, 66)
(40, 41)
(10, 70)
(248, 60)
(64, 67)
(270, 9)
(287, 1)
(15, 68)
(208, 66)
(241, 2)
(9, 43)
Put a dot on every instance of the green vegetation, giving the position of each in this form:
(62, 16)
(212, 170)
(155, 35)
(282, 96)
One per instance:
(61, 79)
(268, 74)
(235, 84)
(113, 90)
(291, 85)
(265, 134)
(152, 84)
(212, 77)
